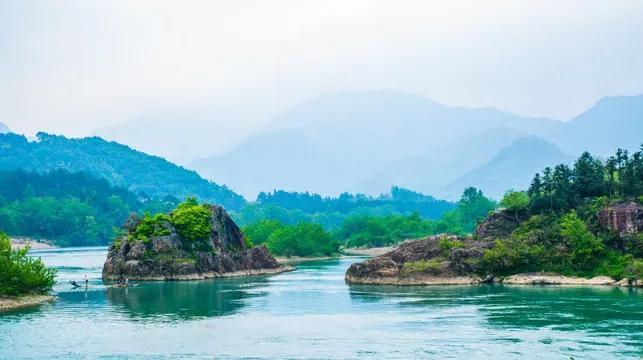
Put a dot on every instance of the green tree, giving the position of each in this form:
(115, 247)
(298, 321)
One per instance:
(260, 231)
(515, 201)
(21, 274)
(303, 239)
(585, 247)
(192, 221)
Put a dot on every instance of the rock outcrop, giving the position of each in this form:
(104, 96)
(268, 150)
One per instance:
(435, 260)
(499, 224)
(623, 218)
(170, 257)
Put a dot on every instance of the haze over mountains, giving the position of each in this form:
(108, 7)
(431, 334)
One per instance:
(362, 142)
(369, 141)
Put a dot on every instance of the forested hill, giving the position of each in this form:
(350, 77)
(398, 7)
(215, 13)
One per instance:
(143, 174)
(70, 209)
(400, 200)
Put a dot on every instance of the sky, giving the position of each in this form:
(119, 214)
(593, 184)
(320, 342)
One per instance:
(72, 67)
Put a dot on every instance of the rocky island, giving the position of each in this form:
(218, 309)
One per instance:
(195, 241)
(520, 248)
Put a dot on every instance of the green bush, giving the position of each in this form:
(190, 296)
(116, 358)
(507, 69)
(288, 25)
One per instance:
(20, 274)
(303, 239)
(157, 225)
(585, 247)
(192, 221)
(447, 244)
(431, 267)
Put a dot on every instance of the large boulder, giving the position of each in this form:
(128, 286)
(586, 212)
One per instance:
(439, 259)
(623, 218)
(169, 257)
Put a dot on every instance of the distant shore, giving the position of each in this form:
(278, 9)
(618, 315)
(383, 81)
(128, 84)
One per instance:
(34, 244)
(374, 251)
(24, 301)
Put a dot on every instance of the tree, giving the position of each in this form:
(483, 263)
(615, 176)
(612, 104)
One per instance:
(21, 274)
(472, 207)
(585, 247)
(515, 201)
(588, 177)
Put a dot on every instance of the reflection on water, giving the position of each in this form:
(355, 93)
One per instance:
(313, 313)
(620, 310)
(184, 300)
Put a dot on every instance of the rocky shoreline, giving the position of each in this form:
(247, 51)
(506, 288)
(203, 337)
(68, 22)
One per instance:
(24, 301)
(451, 260)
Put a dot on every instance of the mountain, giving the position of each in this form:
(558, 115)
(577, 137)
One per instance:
(4, 129)
(614, 122)
(329, 144)
(145, 175)
(512, 168)
(429, 173)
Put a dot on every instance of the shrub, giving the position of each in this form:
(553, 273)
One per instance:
(432, 267)
(20, 274)
(585, 247)
(447, 244)
(193, 222)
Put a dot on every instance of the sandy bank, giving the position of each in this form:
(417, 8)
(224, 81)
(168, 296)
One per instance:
(376, 251)
(19, 243)
(555, 279)
(25, 301)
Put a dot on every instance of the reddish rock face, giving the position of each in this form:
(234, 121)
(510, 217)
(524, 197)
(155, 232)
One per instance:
(624, 218)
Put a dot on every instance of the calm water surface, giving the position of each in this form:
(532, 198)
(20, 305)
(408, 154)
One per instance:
(312, 313)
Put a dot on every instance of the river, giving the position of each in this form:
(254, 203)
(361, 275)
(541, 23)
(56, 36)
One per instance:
(312, 313)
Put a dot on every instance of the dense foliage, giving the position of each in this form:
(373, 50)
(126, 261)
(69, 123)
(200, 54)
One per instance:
(21, 274)
(402, 201)
(72, 209)
(304, 239)
(295, 207)
(373, 231)
(144, 175)
(561, 233)
(191, 221)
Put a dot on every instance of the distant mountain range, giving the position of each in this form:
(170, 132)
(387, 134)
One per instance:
(513, 167)
(145, 175)
(332, 143)
(369, 141)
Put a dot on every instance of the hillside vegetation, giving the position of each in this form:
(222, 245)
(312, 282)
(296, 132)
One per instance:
(145, 175)
(71, 209)
(565, 222)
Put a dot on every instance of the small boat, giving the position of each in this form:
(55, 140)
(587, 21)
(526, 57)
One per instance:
(74, 284)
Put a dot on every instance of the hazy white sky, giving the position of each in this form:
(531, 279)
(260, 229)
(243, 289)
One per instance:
(73, 66)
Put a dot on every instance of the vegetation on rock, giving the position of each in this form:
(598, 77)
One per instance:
(194, 241)
(149, 177)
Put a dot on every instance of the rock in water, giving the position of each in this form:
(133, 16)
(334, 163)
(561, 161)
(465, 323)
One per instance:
(168, 256)
(435, 260)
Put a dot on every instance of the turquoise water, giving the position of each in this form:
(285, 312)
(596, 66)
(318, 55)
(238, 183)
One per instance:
(312, 313)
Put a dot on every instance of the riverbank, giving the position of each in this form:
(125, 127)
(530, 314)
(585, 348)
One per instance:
(34, 244)
(25, 301)
(347, 252)
(372, 252)
(526, 279)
